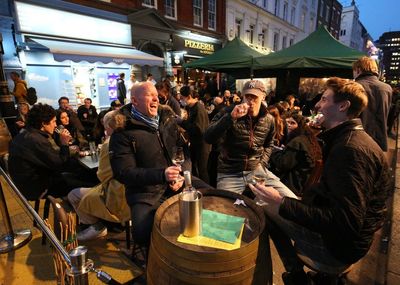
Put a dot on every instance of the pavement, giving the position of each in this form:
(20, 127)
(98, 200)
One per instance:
(33, 264)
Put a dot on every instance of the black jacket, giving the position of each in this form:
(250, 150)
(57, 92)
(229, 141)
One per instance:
(348, 205)
(121, 90)
(374, 117)
(244, 143)
(140, 154)
(34, 164)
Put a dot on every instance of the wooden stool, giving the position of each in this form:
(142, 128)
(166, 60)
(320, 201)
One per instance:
(46, 211)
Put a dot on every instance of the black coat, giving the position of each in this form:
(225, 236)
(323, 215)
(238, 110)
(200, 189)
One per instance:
(244, 143)
(121, 90)
(374, 117)
(34, 165)
(140, 154)
(348, 205)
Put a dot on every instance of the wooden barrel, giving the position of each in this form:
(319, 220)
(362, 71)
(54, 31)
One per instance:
(172, 262)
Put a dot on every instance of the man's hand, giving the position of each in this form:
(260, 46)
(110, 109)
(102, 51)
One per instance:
(239, 111)
(267, 194)
(176, 185)
(65, 137)
(172, 173)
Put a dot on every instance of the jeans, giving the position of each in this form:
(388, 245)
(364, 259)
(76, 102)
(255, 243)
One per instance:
(237, 182)
(310, 244)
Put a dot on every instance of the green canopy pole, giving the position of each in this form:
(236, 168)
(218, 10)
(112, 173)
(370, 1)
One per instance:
(251, 69)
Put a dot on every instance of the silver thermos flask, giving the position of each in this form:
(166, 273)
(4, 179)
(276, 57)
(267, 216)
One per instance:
(190, 208)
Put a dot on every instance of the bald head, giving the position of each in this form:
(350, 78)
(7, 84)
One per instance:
(144, 97)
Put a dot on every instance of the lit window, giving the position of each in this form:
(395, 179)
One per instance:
(212, 14)
(198, 12)
(170, 8)
(149, 3)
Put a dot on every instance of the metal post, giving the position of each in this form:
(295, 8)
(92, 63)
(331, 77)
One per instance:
(50, 235)
(80, 266)
(11, 240)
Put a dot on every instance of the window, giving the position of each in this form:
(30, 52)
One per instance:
(277, 4)
(303, 21)
(283, 42)
(327, 13)
(285, 11)
(342, 32)
(238, 25)
(170, 9)
(251, 35)
(311, 25)
(291, 41)
(276, 39)
(321, 9)
(212, 14)
(263, 37)
(149, 3)
(198, 12)
(265, 4)
(293, 15)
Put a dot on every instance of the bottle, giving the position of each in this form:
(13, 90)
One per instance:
(188, 181)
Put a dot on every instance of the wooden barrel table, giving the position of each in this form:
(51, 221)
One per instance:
(174, 263)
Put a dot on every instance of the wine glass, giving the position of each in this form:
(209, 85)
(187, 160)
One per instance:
(178, 158)
(257, 179)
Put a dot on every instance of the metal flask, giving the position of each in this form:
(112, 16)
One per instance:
(190, 212)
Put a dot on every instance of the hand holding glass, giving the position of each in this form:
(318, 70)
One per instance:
(256, 179)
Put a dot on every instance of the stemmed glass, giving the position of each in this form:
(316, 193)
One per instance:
(257, 179)
(178, 158)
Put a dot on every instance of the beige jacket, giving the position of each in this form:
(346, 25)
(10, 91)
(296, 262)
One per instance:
(107, 200)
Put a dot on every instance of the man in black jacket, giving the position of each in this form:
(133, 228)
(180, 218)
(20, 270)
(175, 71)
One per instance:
(34, 165)
(245, 133)
(334, 223)
(121, 88)
(374, 117)
(140, 157)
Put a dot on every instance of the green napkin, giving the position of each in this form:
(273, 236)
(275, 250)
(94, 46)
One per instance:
(221, 226)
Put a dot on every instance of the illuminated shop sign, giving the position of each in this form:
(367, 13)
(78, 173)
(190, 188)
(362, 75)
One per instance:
(195, 47)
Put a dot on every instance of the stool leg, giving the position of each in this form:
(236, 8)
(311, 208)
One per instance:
(128, 233)
(46, 211)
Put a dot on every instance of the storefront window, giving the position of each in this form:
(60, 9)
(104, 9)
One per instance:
(212, 12)
(198, 12)
(170, 10)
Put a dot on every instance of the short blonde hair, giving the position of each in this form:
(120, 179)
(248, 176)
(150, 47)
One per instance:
(114, 120)
(366, 64)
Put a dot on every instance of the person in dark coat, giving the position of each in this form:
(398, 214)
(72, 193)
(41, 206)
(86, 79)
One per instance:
(374, 117)
(121, 88)
(34, 165)
(87, 114)
(294, 163)
(246, 136)
(63, 103)
(195, 125)
(336, 219)
(140, 157)
(165, 97)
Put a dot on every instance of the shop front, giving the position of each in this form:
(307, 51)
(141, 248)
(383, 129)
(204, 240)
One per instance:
(187, 47)
(79, 57)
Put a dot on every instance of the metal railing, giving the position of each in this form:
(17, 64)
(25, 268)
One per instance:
(76, 258)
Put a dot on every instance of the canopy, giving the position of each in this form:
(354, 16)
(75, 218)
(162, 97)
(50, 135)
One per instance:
(76, 52)
(318, 51)
(234, 56)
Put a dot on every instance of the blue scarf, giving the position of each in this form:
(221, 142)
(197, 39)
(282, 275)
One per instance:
(151, 122)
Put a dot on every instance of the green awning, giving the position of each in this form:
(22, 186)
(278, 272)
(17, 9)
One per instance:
(235, 55)
(318, 50)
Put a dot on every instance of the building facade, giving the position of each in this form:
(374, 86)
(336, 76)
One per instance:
(389, 43)
(351, 29)
(329, 15)
(270, 25)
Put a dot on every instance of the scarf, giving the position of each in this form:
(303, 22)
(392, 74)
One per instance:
(151, 122)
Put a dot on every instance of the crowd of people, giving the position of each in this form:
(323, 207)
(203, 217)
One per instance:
(228, 138)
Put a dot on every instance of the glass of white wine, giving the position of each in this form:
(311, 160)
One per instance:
(257, 179)
(178, 158)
